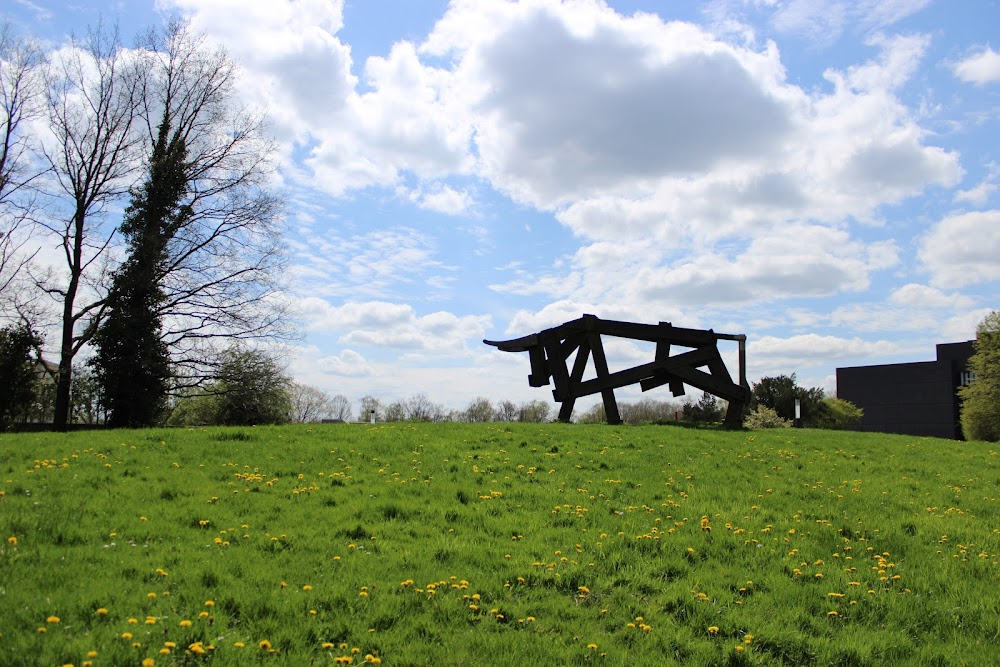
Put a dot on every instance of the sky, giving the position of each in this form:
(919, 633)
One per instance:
(822, 177)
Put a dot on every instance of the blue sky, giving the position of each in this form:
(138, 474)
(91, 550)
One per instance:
(820, 176)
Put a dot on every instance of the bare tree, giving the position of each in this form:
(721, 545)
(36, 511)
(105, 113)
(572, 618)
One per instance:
(370, 407)
(309, 404)
(506, 411)
(21, 90)
(534, 411)
(340, 408)
(93, 97)
(479, 410)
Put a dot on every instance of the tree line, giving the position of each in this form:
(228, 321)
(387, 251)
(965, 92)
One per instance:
(162, 295)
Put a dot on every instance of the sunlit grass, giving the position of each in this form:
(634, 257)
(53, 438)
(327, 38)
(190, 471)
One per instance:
(497, 544)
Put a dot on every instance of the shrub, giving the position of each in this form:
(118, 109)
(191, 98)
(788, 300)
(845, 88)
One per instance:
(764, 417)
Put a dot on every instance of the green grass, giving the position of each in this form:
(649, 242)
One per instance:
(497, 544)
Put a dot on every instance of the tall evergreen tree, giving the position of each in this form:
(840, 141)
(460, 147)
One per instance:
(132, 362)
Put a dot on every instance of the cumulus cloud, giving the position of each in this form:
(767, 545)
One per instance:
(394, 326)
(348, 363)
(979, 68)
(810, 350)
(922, 296)
(963, 249)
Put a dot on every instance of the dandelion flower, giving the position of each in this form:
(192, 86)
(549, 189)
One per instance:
(102, 611)
(307, 587)
(12, 541)
(592, 647)
(239, 645)
(264, 645)
(148, 662)
(713, 629)
(52, 619)
(209, 603)
(185, 623)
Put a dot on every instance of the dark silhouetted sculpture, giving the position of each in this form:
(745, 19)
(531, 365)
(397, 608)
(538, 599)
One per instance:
(549, 352)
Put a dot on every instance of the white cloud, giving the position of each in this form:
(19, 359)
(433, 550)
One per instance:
(799, 261)
(374, 265)
(963, 249)
(380, 324)
(810, 350)
(980, 68)
(348, 363)
(443, 199)
(980, 194)
(922, 296)
(821, 23)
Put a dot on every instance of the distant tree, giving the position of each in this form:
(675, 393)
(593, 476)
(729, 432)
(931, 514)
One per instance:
(87, 404)
(779, 394)
(980, 407)
(194, 406)
(647, 410)
(309, 404)
(478, 410)
(594, 415)
(369, 406)
(340, 408)
(252, 389)
(705, 410)
(535, 411)
(18, 377)
(837, 413)
(394, 411)
(506, 411)
(421, 409)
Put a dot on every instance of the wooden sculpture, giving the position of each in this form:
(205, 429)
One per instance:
(549, 352)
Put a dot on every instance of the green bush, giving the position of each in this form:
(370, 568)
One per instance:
(837, 413)
(764, 417)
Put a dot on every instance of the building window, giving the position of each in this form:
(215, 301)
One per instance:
(966, 378)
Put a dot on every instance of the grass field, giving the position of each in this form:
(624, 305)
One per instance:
(497, 544)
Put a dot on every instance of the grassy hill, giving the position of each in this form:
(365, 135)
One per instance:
(494, 544)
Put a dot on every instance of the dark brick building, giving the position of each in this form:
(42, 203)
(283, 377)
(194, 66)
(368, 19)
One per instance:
(917, 398)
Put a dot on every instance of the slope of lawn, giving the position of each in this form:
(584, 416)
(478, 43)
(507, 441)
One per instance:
(497, 544)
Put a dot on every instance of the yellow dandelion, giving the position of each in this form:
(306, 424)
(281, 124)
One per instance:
(52, 619)
(713, 629)
(12, 541)
(239, 644)
(307, 587)
(264, 645)
(592, 647)
(102, 611)
(148, 662)
(209, 603)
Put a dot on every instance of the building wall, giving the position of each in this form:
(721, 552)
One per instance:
(917, 398)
